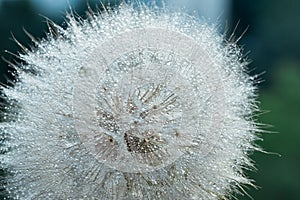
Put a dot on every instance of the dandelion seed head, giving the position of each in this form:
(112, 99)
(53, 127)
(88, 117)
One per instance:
(130, 104)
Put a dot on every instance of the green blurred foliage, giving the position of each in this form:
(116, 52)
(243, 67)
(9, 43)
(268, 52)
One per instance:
(14, 17)
(272, 34)
(278, 174)
(273, 41)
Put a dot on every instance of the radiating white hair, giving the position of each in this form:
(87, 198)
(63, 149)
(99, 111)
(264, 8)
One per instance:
(132, 103)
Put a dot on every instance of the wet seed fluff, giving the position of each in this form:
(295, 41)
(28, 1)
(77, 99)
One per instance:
(130, 104)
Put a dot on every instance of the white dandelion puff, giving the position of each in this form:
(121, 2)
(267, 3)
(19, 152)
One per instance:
(129, 104)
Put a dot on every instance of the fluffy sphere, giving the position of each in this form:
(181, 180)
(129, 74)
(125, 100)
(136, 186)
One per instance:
(129, 104)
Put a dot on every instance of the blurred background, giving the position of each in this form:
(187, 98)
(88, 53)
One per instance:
(271, 42)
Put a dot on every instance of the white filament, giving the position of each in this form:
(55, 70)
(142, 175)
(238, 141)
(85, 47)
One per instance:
(130, 105)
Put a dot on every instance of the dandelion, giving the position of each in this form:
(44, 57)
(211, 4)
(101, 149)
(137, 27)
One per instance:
(129, 104)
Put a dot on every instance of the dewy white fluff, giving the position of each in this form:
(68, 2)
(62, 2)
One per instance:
(130, 104)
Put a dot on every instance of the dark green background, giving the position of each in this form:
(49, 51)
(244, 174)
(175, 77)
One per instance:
(272, 43)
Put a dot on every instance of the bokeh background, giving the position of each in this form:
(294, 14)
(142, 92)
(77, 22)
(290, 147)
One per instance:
(271, 42)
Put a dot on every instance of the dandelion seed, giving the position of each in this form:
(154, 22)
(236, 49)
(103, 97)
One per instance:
(130, 104)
